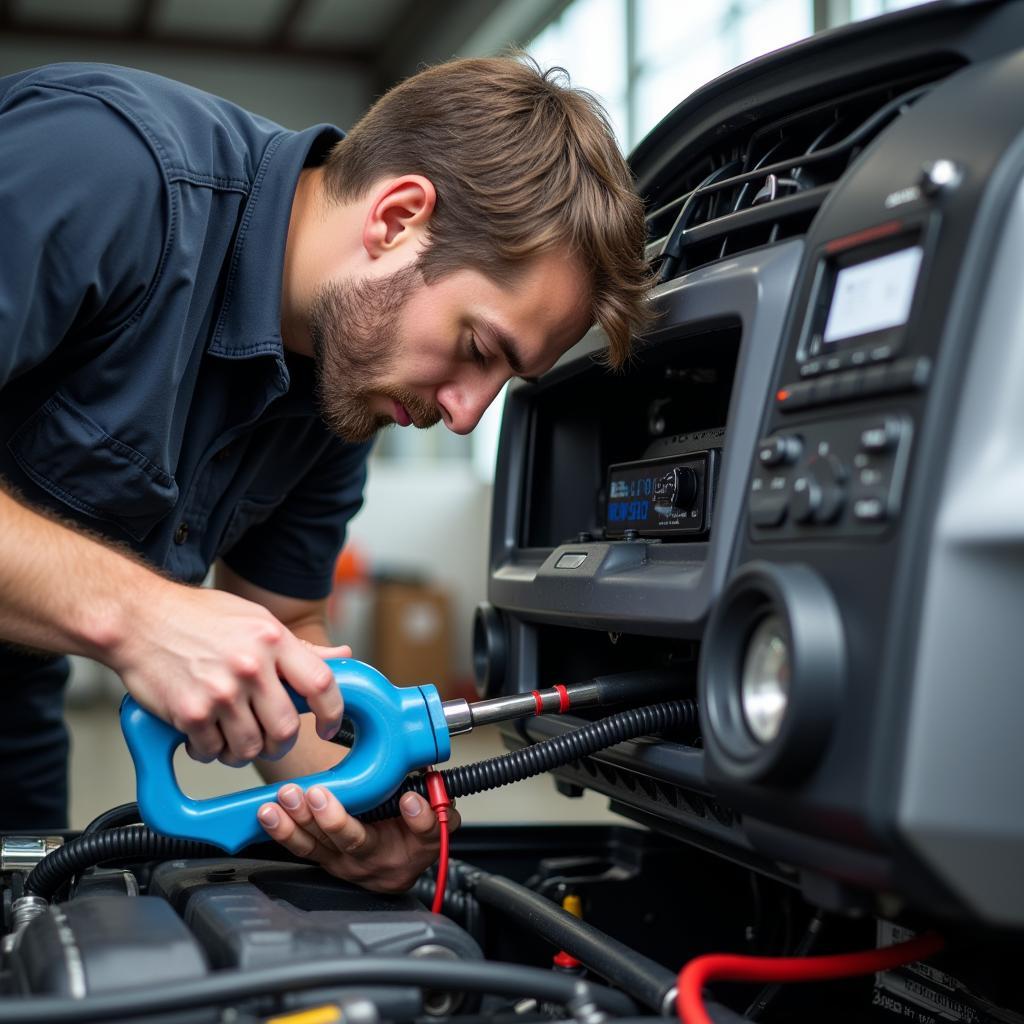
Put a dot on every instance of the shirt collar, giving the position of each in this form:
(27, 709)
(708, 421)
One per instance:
(249, 323)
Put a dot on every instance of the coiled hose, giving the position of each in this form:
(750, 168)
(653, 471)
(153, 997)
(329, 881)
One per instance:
(138, 842)
(546, 755)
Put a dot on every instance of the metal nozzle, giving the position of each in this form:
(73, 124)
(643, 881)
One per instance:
(462, 716)
(23, 853)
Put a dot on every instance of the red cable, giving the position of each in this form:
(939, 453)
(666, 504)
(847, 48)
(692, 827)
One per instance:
(727, 967)
(440, 802)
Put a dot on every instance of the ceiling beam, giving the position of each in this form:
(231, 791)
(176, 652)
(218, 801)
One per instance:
(12, 28)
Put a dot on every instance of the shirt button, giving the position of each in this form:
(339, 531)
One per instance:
(181, 533)
(224, 453)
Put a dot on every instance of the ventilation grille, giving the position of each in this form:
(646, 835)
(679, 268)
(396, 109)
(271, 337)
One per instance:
(766, 181)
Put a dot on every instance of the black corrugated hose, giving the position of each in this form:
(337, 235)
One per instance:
(548, 754)
(137, 842)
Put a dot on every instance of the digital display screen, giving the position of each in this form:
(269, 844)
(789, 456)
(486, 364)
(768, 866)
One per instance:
(873, 296)
(656, 497)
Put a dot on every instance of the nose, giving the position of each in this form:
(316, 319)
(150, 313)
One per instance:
(463, 403)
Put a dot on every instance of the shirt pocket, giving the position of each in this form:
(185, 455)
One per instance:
(247, 513)
(74, 459)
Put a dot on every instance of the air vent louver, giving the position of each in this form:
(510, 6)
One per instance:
(764, 181)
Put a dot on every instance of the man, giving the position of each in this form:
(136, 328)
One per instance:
(204, 319)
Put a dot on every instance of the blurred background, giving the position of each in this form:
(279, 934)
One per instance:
(407, 583)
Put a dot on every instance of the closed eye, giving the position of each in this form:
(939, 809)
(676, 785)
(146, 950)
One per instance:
(475, 353)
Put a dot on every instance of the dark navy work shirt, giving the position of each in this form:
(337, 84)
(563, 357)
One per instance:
(144, 388)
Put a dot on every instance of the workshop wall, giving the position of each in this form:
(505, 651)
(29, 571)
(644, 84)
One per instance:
(295, 94)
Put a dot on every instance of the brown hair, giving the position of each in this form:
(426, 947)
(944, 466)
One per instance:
(522, 164)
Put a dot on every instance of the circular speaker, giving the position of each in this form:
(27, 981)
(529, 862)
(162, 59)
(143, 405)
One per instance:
(771, 672)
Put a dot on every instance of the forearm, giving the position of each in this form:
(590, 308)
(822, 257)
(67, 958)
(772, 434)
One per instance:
(62, 591)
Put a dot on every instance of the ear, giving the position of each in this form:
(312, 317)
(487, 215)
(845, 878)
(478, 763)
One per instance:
(399, 212)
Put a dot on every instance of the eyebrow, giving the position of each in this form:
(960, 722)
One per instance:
(508, 347)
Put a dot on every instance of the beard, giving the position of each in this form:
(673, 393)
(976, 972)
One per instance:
(354, 331)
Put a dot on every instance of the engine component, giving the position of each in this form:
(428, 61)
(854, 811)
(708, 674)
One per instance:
(104, 944)
(252, 914)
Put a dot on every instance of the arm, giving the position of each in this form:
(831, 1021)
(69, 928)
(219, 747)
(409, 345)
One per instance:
(207, 662)
(386, 857)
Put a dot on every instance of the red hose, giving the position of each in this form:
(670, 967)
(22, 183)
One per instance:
(727, 967)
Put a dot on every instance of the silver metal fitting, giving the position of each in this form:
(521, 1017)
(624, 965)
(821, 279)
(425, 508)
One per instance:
(23, 910)
(23, 853)
(458, 716)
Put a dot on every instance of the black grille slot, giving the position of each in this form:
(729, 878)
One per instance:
(764, 181)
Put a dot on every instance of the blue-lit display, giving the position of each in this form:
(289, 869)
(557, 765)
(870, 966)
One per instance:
(656, 496)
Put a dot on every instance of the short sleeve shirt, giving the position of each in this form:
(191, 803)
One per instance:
(145, 392)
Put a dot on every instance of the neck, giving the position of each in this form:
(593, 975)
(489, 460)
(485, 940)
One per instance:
(294, 328)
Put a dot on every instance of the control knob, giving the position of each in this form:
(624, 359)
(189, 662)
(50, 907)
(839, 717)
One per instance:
(818, 492)
(677, 489)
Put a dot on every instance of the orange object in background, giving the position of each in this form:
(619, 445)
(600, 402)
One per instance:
(351, 566)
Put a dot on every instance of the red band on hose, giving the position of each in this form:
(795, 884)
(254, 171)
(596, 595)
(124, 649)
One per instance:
(563, 698)
(539, 701)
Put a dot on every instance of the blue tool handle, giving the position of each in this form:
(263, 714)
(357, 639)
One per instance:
(398, 729)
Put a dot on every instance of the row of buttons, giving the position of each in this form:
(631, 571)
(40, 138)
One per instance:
(842, 360)
(902, 375)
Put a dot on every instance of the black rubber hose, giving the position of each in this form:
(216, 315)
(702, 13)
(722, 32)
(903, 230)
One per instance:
(141, 843)
(123, 814)
(136, 842)
(229, 986)
(548, 754)
(645, 980)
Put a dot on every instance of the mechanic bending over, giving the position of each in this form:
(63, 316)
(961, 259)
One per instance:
(205, 318)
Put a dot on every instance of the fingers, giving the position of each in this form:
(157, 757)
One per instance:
(342, 831)
(386, 857)
(292, 837)
(278, 718)
(309, 676)
(422, 822)
(242, 734)
(203, 737)
(343, 651)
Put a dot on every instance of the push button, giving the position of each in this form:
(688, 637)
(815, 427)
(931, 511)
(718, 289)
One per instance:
(794, 396)
(767, 510)
(849, 384)
(869, 510)
(880, 438)
(908, 375)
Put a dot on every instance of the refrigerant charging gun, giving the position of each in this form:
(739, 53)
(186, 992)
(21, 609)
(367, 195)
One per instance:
(398, 730)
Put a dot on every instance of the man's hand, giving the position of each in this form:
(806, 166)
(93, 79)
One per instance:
(211, 664)
(387, 856)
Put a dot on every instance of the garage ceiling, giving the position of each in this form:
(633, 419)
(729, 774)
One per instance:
(386, 39)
